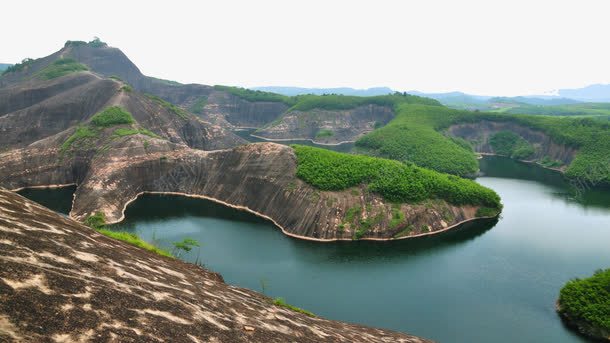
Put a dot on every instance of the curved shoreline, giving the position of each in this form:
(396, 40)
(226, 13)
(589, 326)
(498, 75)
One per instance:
(301, 139)
(307, 238)
(524, 161)
(258, 214)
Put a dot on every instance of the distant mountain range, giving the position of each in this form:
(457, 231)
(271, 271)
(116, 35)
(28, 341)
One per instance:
(592, 93)
(292, 91)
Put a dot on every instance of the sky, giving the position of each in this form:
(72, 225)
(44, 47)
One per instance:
(488, 47)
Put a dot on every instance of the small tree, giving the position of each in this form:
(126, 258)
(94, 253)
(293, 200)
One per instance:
(185, 245)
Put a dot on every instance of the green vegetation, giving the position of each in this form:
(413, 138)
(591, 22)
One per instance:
(588, 109)
(588, 301)
(60, 67)
(97, 221)
(109, 117)
(25, 63)
(508, 143)
(185, 245)
(322, 133)
(135, 240)
(398, 217)
(126, 88)
(169, 106)
(198, 105)
(414, 135)
(281, 302)
(82, 132)
(254, 95)
(95, 43)
(397, 182)
(346, 102)
(550, 163)
(124, 131)
(112, 116)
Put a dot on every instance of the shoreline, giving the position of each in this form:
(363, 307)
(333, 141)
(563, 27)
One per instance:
(301, 139)
(284, 231)
(481, 154)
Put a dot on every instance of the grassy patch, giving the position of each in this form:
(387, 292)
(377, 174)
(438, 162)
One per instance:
(255, 95)
(398, 217)
(169, 106)
(134, 240)
(81, 133)
(97, 221)
(281, 302)
(112, 116)
(588, 300)
(199, 104)
(322, 133)
(126, 89)
(123, 131)
(395, 181)
(61, 67)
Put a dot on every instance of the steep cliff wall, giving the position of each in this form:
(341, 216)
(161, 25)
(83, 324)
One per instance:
(328, 126)
(260, 178)
(242, 113)
(479, 133)
(64, 282)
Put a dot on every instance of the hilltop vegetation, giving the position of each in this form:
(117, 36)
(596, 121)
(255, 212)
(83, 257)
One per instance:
(61, 67)
(586, 303)
(110, 117)
(412, 137)
(253, 95)
(415, 135)
(395, 181)
(345, 102)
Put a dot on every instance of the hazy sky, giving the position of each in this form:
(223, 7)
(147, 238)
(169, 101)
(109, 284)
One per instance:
(486, 47)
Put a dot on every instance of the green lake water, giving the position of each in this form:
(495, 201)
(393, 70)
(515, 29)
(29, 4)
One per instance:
(495, 281)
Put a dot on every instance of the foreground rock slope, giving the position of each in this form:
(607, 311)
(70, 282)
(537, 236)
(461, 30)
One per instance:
(61, 282)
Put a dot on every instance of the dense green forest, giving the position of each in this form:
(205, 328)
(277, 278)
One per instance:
(588, 300)
(395, 181)
(415, 135)
(508, 143)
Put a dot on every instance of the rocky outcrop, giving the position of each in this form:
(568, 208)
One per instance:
(35, 109)
(242, 113)
(61, 281)
(328, 126)
(260, 178)
(478, 135)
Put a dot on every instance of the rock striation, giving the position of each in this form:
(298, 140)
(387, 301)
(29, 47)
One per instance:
(63, 282)
(327, 126)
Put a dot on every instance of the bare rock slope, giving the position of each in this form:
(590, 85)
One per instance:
(260, 178)
(61, 281)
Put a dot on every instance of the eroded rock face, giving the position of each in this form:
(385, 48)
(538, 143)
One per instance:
(61, 281)
(340, 126)
(260, 178)
(33, 110)
(479, 133)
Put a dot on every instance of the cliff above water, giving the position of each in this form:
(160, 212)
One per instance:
(479, 134)
(63, 281)
(260, 178)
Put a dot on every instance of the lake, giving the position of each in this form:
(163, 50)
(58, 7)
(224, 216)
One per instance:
(494, 281)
